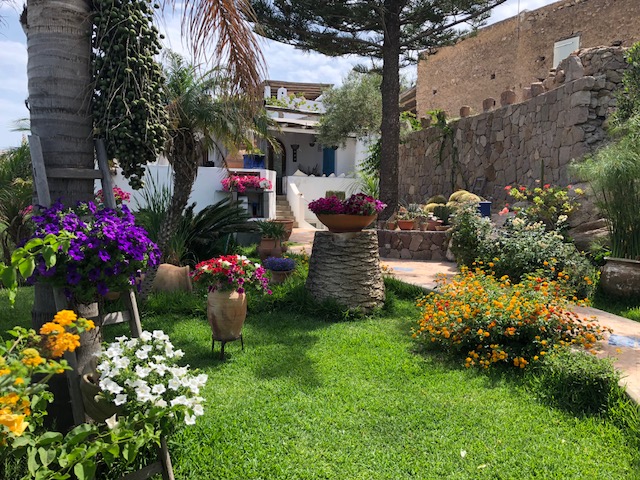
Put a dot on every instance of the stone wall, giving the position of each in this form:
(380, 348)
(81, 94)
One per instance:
(512, 54)
(519, 143)
(413, 244)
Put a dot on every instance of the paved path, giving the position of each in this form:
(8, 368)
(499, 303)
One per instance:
(623, 344)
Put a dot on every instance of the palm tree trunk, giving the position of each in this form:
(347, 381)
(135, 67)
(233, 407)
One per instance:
(59, 82)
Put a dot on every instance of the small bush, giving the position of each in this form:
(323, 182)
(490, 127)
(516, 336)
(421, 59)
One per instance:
(490, 320)
(578, 382)
(469, 236)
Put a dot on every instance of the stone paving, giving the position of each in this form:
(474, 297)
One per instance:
(623, 344)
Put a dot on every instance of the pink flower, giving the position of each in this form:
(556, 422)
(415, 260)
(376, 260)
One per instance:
(522, 188)
(504, 211)
(507, 188)
(547, 185)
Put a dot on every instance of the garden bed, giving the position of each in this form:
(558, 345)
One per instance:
(413, 244)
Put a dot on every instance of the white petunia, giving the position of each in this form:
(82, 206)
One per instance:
(110, 386)
(181, 400)
(142, 372)
(175, 384)
(190, 419)
(121, 362)
(178, 354)
(120, 399)
(158, 389)
(198, 410)
(160, 402)
(142, 354)
(159, 335)
(112, 421)
(146, 336)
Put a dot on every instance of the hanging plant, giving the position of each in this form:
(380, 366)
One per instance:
(128, 105)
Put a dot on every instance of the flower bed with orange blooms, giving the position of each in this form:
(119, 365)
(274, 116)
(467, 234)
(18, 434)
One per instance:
(23, 400)
(491, 321)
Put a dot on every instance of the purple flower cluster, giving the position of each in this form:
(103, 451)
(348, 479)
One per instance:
(109, 251)
(357, 204)
(279, 264)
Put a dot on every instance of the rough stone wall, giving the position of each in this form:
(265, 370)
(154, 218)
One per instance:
(512, 54)
(413, 244)
(519, 143)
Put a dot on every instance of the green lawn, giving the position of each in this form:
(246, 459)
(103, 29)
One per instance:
(311, 399)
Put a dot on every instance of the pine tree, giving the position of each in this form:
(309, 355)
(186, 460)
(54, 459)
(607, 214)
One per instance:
(393, 31)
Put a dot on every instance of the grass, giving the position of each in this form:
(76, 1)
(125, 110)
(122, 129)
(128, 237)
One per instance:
(628, 308)
(313, 399)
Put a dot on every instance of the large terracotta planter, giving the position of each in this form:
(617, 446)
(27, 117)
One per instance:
(288, 226)
(339, 223)
(95, 405)
(269, 247)
(621, 277)
(226, 311)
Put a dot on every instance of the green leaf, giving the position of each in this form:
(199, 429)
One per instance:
(79, 433)
(17, 255)
(32, 243)
(22, 442)
(46, 455)
(85, 470)
(49, 255)
(9, 278)
(48, 438)
(32, 461)
(26, 267)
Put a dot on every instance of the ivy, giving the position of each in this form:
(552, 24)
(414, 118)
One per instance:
(128, 105)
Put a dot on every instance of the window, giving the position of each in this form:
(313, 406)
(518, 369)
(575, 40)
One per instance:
(564, 48)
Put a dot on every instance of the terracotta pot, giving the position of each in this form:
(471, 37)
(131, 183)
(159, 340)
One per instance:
(621, 277)
(442, 228)
(345, 223)
(288, 226)
(95, 406)
(279, 276)
(226, 311)
(431, 225)
(392, 225)
(171, 278)
(406, 224)
(269, 247)
(423, 226)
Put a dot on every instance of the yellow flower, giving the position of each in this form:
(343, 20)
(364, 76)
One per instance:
(18, 381)
(15, 423)
(31, 357)
(51, 328)
(65, 317)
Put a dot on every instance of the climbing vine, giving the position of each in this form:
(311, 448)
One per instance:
(128, 105)
(439, 119)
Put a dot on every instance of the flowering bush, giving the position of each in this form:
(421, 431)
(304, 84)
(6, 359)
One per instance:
(22, 403)
(231, 272)
(108, 251)
(490, 320)
(141, 375)
(357, 204)
(520, 248)
(280, 264)
(548, 204)
(120, 195)
(237, 183)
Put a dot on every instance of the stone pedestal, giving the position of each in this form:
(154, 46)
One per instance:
(345, 267)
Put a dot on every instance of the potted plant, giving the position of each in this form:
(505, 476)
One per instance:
(280, 268)
(613, 173)
(273, 233)
(443, 214)
(108, 251)
(227, 279)
(242, 183)
(406, 217)
(350, 215)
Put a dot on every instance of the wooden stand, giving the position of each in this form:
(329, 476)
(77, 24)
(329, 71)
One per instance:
(130, 315)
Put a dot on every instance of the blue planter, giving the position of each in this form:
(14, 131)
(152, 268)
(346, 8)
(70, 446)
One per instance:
(253, 161)
(485, 209)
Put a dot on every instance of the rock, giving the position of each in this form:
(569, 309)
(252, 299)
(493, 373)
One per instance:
(488, 104)
(465, 111)
(508, 97)
(573, 68)
(537, 88)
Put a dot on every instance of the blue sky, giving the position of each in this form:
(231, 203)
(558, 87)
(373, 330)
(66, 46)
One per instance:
(283, 62)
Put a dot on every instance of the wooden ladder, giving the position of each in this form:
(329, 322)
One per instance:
(130, 315)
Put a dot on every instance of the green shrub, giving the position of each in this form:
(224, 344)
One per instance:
(492, 321)
(578, 381)
(469, 235)
(518, 249)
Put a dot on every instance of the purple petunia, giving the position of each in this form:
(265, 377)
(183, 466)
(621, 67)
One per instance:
(107, 250)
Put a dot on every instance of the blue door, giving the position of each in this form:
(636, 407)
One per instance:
(328, 161)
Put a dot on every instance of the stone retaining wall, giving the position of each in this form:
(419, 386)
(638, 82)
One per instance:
(413, 244)
(520, 143)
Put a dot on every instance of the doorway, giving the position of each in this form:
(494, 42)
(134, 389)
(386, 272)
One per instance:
(328, 161)
(277, 161)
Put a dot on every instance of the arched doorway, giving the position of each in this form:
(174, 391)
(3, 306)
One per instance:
(277, 161)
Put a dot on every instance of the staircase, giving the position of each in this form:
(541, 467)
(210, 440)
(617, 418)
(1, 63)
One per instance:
(283, 209)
